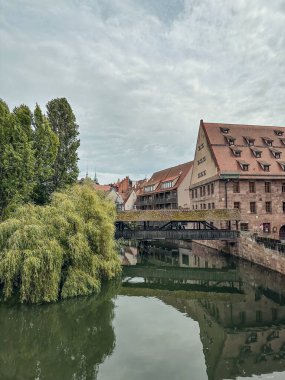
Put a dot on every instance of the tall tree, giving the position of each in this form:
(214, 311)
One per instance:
(45, 147)
(63, 123)
(16, 161)
(25, 117)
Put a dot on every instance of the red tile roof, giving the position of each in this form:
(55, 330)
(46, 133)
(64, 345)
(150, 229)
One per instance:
(177, 173)
(226, 160)
(104, 188)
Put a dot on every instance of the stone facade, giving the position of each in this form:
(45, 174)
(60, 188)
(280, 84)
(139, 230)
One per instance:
(246, 248)
(262, 211)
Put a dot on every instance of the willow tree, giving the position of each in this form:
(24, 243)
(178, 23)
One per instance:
(61, 250)
(63, 123)
(16, 161)
(45, 144)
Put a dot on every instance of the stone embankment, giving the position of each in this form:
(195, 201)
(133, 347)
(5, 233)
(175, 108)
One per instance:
(248, 249)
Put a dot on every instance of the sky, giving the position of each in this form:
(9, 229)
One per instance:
(140, 74)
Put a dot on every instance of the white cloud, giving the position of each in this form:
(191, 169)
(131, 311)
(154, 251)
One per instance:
(141, 74)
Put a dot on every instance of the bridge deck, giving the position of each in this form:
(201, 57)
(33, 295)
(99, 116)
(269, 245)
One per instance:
(177, 234)
(178, 215)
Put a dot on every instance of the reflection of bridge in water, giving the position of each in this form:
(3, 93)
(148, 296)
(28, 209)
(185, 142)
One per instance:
(182, 278)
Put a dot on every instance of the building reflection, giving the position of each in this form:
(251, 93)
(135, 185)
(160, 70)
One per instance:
(243, 331)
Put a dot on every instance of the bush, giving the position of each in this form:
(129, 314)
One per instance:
(61, 250)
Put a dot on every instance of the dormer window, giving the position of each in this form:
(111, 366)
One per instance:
(230, 140)
(225, 130)
(275, 153)
(243, 165)
(282, 165)
(264, 165)
(278, 132)
(267, 141)
(236, 152)
(149, 188)
(249, 140)
(256, 152)
(167, 184)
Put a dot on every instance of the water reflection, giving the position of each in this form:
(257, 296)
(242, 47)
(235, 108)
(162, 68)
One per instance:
(66, 340)
(194, 311)
(242, 324)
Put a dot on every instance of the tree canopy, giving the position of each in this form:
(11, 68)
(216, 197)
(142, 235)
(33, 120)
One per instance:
(38, 153)
(60, 250)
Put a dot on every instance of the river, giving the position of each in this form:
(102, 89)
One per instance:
(182, 312)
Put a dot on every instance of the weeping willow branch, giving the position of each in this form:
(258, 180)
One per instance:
(61, 250)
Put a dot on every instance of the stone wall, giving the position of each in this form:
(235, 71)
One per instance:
(247, 249)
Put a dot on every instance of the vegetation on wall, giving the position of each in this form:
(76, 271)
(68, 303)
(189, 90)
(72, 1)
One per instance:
(60, 250)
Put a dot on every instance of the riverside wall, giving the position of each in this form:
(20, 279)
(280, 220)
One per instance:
(248, 249)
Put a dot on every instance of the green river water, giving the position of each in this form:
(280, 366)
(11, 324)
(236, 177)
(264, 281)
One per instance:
(183, 312)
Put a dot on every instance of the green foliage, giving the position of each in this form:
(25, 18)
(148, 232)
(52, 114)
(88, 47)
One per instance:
(63, 123)
(45, 147)
(61, 250)
(24, 117)
(16, 160)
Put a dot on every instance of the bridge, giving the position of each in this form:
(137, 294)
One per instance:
(177, 224)
(178, 278)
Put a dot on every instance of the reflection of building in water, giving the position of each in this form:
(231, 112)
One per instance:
(242, 333)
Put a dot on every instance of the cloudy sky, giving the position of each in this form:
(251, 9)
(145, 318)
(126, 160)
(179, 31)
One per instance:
(140, 74)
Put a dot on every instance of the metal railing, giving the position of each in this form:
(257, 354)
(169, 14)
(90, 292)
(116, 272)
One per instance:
(273, 244)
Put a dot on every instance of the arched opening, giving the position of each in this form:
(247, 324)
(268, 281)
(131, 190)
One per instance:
(282, 233)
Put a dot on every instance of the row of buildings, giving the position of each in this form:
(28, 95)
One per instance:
(235, 166)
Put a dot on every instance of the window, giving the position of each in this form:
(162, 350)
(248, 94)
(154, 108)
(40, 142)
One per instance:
(258, 316)
(237, 205)
(268, 207)
(244, 226)
(236, 188)
(252, 187)
(275, 153)
(201, 174)
(283, 187)
(266, 228)
(167, 184)
(252, 207)
(249, 140)
(193, 193)
(201, 146)
(267, 141)
(256, 152)
(267, 187)
(185, 260)
(196, 194)
(149, 188)
(224, 130)
(203, 159)
(264, 165)
(213, 205)
(230, 140)
(278, 132)
(283, 206)
(209, 206)
(204, 191)
(201, 191)
(212, 188)
(205, 206)
(236, 152)
(208, 189)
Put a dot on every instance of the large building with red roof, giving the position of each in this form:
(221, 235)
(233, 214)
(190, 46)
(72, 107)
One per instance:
(166, 189)
(242, 166)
